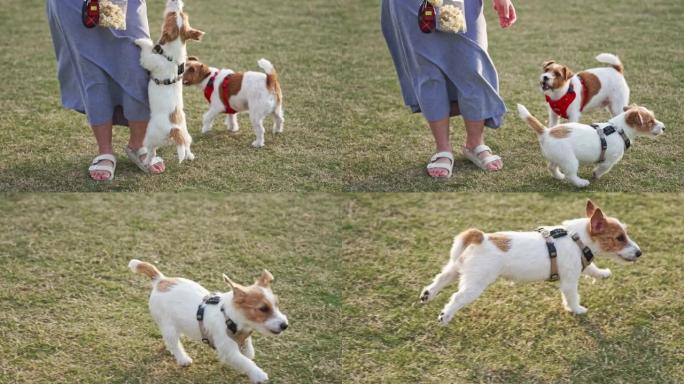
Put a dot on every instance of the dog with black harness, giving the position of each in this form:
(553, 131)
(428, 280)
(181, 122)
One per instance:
(568, 145)
(223, 321)
(563, 252)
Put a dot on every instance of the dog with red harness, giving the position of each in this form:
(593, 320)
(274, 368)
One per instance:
(232, 92)
(569, 95)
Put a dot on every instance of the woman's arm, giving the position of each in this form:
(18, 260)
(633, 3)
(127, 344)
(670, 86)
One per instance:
(506, 12)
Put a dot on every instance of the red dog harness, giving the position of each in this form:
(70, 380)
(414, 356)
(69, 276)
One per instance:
(223, 95)
(560, 106)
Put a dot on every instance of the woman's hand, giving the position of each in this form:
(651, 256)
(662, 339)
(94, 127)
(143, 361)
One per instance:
(506, 12)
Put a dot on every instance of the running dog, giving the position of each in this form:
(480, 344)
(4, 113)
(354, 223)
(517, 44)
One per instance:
(556, 252)
(225, 321)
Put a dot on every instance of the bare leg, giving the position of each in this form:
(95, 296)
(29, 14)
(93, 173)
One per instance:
(103, 136)
(475, 137)
(135, 141)
(440, 131)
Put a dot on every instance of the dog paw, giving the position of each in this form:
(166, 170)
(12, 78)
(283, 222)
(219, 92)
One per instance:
(604, 273)
(579, 310)
(426, 296)
(205, 130)
(444, 319)
(184, 361)
(258, 377)
(190, 156)
(257, 144)
(580, 183)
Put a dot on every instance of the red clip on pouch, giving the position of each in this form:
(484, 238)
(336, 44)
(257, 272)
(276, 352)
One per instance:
(427, 20)
(90, 13)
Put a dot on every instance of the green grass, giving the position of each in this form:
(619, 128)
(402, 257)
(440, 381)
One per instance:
(71, 311)
(514, 333)
(346, 127)
(388, 147)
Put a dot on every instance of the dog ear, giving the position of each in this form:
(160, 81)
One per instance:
(597, 222)
(628, 107)
(228, 281)
(591, 207)
(566, 72)
(192, 34)
(193, 58)
(265, 279)
(238, 291)
(546, 64)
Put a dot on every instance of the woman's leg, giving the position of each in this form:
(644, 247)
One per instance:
(103, 136)
(475, 137)
(138, 129)
(440, 131)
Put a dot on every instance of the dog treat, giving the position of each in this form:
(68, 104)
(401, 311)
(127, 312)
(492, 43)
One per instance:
(113, 14)
(450, 15)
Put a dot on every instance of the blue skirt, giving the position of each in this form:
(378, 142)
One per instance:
(99, 69)
(438, 69)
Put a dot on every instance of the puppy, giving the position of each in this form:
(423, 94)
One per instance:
(227, 319)
(569, 95)
(567, 145)
(477, 259)
(232, 92)
(166, 63)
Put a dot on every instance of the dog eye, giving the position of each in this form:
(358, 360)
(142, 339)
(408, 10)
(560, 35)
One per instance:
(264, 308)
(621, 238)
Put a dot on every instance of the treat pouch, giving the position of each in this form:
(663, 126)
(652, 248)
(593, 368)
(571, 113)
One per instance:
(105, 13)
(451, 16)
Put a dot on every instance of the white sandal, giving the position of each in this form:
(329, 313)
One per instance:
(134, 156)
(447, 166)
(473, 156)
(96, 166)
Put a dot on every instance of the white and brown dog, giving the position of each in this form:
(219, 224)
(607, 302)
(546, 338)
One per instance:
(232, 92)
(225, 321)
(569, 95)
(564, 252)
(166, 63)
(568, 145)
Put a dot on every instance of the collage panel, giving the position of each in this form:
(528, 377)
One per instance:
(73, 311)
(395, 244)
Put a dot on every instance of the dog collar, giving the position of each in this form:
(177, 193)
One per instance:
(160, 51)
(560, 106)
(607, 131)
(550, 235)
(238, 336)
(223, 95)
(167, 81)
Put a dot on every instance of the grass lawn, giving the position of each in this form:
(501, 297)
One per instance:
(71, 311)
(388, 147)
(514, 333)
(46, 148)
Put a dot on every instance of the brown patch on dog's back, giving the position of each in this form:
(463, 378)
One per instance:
(252, 302)
(503, 242)
(472, 236)
(234, 87)
(165, 285)
(176, 117)
(560, 131)
(148, 270)
(177, 136)
(592, 84)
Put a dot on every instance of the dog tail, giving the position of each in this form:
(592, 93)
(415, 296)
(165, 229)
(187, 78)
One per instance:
(612, 60)
(146, 269)
(465, 239)
(531, 120)
(272, 82)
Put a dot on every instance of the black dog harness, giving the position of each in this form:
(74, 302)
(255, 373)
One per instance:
(607, 131)
(231, 326)
(586, 257)
(181, 67)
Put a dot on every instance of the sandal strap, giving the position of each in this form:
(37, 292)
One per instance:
(490, 159)
(105, 156)
(479, 149)
(442, 155)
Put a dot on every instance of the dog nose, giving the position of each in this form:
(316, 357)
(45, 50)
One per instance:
(638, 253)
(283, 326)
(545, 78)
